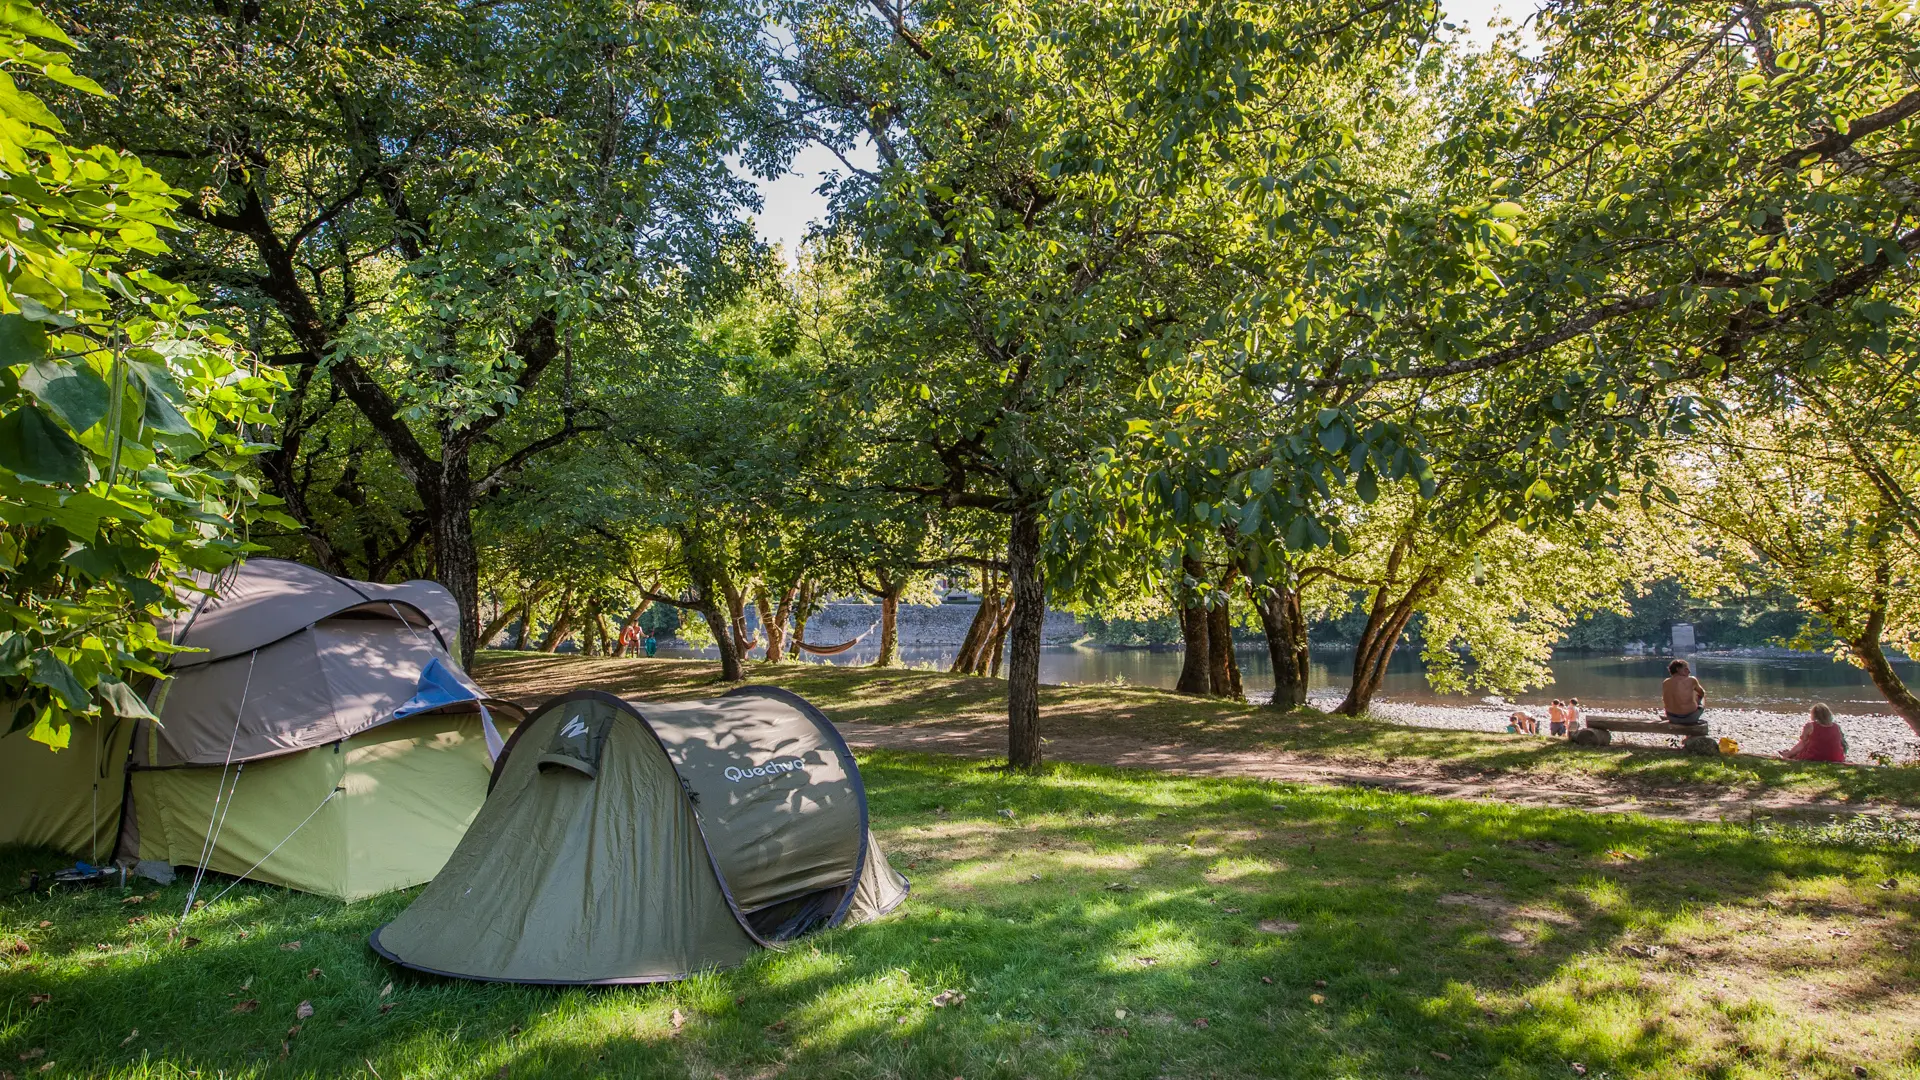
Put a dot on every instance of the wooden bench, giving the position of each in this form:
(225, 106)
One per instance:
(1599, 732)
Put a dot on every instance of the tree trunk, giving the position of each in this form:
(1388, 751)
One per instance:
(718, 623)
(737, 615)
(802, 611)
(525, 633)
(456, 563)
(776, 627)
(1028, 622)
(602, 642)
(562, 622)
(1377, 642)
(1196, 635)
(1874, 658)
(889, 626)
(981, 631)
(1223, 668)
(493, 628)
(997, 648)
(1286, 632)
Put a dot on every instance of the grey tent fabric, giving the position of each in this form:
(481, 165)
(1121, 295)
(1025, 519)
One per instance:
(295, 658)
(261, 600)
(628, 841)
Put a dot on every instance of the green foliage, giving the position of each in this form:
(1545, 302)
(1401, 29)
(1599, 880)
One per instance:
(125, 416)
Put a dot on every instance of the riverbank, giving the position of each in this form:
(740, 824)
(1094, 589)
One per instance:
(1758, 731)
(1174, 726)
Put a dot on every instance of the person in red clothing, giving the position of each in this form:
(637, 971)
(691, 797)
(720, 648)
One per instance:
(1820, 740)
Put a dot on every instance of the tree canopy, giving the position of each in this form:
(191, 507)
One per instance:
(1241, 314)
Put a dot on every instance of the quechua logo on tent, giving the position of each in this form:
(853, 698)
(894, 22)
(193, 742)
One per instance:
(760, 772)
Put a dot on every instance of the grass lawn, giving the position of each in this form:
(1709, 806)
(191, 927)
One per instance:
(1160, 716)
(1115, 924)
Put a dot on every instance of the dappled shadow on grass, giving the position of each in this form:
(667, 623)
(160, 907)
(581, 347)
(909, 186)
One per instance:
(913, 697)
(1091, 929)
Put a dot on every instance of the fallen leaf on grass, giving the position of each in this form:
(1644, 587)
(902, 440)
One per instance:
(387, 989)
(1277, 926)
(678, 1019)
(98, 947)
(245, 934)
(38, 1051)
(136, 920)
(134, 899)
(1120, 1031)
(19, 948)
(1119, 1014)
(387, 1007)
(1579, 1069)
(1317, 999)
(1200, 1022)
(948, 997)
(134, 1035)
(44, 923)
(290, 946)
(48, 1067)
(247, 1006)
(1117, 886)
(1441, 1056)
(1268, 979)
(35, 1000)
(1145, 961)
(1321, 983)
(1644, 952)
(1230, 910)
(1612, 854)
(314, 973)
(189, 942)
(1890, 883)
(303, 1010)
(777, 1026)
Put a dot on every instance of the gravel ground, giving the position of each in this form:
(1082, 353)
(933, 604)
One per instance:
(1757, 731)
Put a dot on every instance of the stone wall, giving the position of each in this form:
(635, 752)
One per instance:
(930, 624)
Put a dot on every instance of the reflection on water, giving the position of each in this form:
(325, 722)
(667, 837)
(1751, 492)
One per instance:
(1602, 682)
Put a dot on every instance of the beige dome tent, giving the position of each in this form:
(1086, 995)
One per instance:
(631, 841)
(323, 739)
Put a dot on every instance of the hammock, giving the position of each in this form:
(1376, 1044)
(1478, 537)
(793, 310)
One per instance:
(835, 650)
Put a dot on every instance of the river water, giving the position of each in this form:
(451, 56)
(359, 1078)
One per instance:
(1606, 683)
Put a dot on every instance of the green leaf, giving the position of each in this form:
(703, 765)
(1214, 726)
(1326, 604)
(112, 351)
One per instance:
(53, 673)
(73, 392)
(1540, 489)
(1751, 80)
(1333, 438)
(21, 341)
(161, 393)
(48, 730)
(33, 446)
(123, 701)
(1505, 210)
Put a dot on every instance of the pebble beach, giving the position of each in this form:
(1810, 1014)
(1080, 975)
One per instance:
(1757, 731)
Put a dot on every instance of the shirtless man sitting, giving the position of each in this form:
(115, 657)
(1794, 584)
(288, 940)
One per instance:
(1682, 695)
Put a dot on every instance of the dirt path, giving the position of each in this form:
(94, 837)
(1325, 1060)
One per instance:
(990, 741)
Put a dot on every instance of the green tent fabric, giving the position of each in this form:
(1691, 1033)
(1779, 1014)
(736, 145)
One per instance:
(627, 841)
(291, 745)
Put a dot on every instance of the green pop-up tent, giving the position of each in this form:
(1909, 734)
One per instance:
(630, 841)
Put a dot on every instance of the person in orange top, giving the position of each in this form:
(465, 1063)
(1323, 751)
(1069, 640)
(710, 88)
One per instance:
(1682, 695)
(1820, 740)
